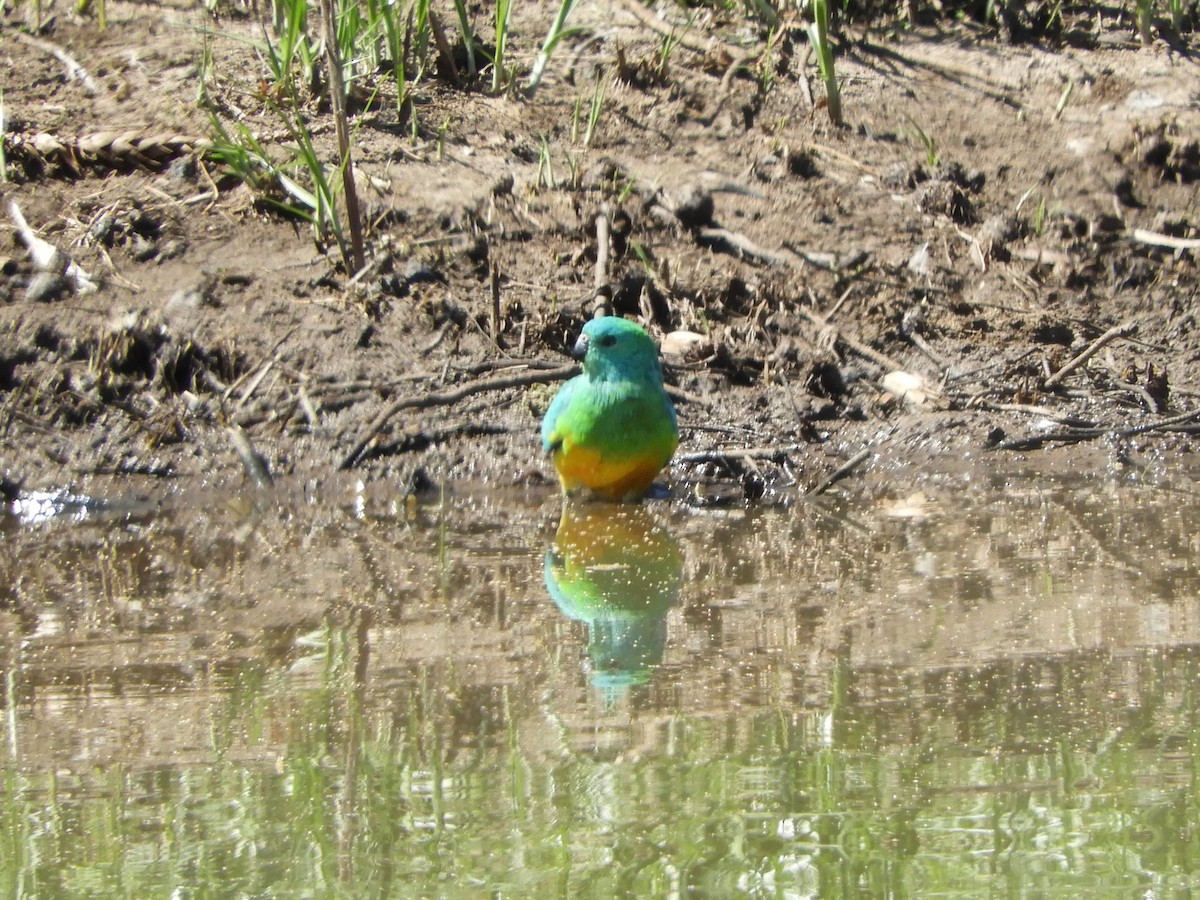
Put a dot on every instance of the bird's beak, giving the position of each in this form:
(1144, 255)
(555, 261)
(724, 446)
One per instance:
(579, 351)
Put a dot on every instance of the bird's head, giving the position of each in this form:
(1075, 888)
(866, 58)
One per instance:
(612, 347)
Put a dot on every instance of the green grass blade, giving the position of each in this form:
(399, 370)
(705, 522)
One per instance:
(499, 65)
(553, 36)
(468, 35)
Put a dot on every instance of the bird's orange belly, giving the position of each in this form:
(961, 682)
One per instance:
(611, 479)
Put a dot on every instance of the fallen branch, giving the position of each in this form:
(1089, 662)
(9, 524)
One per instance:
(726, 456)
(740, 244)
(1154, 239)
(842, 471)
(1076, 435)
(450, 397)
(1091, 350)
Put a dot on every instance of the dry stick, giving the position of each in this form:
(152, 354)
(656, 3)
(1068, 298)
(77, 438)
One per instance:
(684, 397)
(49, 258)
(742, 245)
(1042, 257)
(495, 323)
(921, 344)
(603, 243)
(1032, 442)
(701, 456)
(307, 406)
(1152, 405)
(830, 262)
(962, 376)
(337, 96)
(1026, 409)
(1181, 419)
(833, 310)
(252, 461)
(445, 51)
(253, 385)
(228, 392)
(841, 471)
(1035, 441)
(1091, 350)
(601, 292)
(1154, 239)
(845, 158)
(450, 397)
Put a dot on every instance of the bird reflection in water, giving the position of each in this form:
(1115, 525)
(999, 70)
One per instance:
(616, 569)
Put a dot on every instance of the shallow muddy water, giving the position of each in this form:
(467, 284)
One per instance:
(988, 690)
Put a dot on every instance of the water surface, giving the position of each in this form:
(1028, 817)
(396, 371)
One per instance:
(983, 691)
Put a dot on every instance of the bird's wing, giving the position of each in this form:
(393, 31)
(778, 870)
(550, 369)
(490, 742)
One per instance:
(551, 439)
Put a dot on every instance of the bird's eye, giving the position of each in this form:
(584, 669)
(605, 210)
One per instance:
(608, 340)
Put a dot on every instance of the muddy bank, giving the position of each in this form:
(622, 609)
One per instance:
(1011, 228)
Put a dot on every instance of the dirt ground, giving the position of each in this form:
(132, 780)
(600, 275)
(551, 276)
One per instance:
(994, 261)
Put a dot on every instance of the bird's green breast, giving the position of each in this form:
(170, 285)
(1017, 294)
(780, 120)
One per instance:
(613, 441)
(622, 420)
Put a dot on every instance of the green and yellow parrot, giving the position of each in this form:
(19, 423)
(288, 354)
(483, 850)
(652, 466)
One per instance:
(611, 430)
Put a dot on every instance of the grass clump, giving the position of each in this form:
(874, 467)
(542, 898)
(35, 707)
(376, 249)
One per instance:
(818, 36)
(558, 30)
(500, 76)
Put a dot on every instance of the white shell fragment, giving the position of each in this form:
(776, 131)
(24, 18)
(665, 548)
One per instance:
(686, 346)
(911, 388)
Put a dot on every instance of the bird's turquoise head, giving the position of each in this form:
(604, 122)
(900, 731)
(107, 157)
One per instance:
(612, 347)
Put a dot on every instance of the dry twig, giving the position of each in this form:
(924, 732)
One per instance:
(742, 245)
(842, 471)
(1075, 435)
(252, 461)
(1154, 239)
(450, 397)
(725, 456)
(1091, 350)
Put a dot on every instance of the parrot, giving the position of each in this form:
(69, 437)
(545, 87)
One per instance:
(611, 429)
